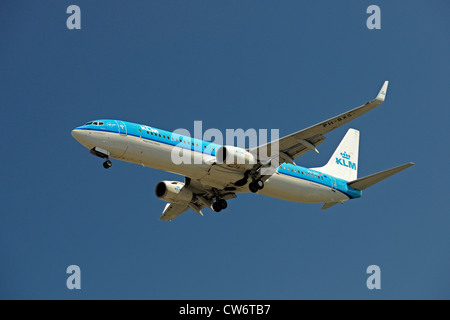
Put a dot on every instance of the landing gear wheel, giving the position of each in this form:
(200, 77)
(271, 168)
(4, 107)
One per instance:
(216, 206)
(259, 184)
(222, 203)
(107, 164)
(256, 185)
(253, 187)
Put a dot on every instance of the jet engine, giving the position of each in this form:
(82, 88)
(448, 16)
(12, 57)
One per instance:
(235, 157)
(173, 191)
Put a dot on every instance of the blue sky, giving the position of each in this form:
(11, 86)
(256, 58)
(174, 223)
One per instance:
(240, 64)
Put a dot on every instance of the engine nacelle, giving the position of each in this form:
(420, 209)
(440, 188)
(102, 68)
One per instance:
(235, 157)
(173, 191)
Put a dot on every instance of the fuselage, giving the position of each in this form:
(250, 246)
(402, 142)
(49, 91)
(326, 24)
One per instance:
(155, 148)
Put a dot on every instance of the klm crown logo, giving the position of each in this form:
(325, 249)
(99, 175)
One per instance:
(345, 155)
(345, 161)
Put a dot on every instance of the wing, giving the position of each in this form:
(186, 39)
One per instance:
(300, 142)
(173, 210)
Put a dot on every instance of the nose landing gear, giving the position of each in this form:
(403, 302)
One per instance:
(107, 164)
(104, 154)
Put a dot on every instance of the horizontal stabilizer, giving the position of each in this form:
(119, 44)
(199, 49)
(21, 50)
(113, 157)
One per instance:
(366, 182)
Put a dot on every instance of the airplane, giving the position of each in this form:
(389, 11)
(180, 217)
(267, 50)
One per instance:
(222, 174)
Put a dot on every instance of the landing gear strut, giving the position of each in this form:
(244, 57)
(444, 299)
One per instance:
(104, 154)
(107, 164)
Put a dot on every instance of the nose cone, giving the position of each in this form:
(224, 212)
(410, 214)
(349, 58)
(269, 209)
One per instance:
(82, 136)
(77, 134)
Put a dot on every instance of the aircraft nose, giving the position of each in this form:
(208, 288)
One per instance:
(79, 134)
(76, 133)
(83, 136)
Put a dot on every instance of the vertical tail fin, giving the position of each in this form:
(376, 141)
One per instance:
(344, 162)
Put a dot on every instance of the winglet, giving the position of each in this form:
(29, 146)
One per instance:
(382, 94)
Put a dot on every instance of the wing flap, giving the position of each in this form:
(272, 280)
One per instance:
(327, 205)
(173, 210)
(300, 148)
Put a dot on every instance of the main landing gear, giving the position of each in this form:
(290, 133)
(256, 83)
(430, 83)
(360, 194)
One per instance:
(219, 205)
(256, 185)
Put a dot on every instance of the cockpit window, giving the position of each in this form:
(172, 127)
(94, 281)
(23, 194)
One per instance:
(95, 123)
(87, 123)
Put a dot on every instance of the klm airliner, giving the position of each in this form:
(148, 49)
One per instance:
(225, 171)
